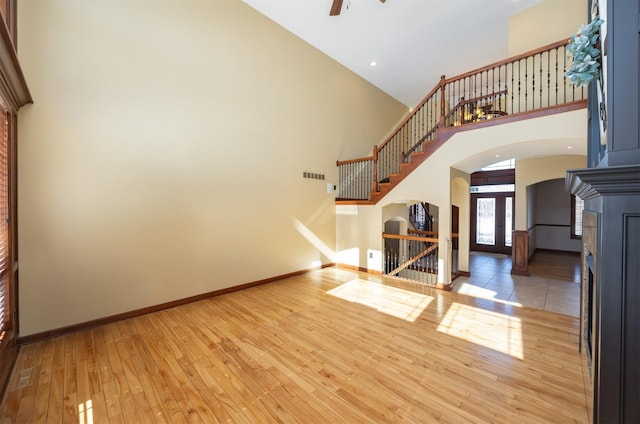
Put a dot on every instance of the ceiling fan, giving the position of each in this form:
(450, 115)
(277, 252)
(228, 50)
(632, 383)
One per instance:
(336, 7)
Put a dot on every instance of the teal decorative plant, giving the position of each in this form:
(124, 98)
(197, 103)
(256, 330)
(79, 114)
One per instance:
(586, 55)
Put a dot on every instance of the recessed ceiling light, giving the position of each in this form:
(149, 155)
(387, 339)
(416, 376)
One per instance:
(497, 156)
(569, 147)
(373, 63)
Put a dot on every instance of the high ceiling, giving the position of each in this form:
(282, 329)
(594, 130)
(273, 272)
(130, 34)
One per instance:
(413, 42)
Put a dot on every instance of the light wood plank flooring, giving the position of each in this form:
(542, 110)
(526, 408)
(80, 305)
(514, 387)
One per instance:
(330, 346)
(564, 266)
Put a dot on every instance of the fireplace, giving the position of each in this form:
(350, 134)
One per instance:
(588, 309)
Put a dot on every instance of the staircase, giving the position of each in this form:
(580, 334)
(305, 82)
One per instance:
(526, 86)
(419, 217)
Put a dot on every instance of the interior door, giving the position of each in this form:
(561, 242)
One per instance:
(455, 245)
(492, 222)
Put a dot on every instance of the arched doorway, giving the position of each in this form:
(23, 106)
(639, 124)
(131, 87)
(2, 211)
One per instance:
(409, 250)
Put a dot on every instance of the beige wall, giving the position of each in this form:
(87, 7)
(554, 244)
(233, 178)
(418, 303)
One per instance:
(460, 185)
(359, 236)
(163, 156)
(545, 23)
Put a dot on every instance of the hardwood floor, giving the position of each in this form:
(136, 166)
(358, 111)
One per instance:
(330, 346)
(563, 266)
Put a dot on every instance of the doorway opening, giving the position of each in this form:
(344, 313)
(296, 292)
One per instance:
(492, 211)
(492, 222)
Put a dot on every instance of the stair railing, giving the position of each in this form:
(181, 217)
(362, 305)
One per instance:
(419, 217)
(455, 254)
(355, 178)
(531, 81)
(422, 233)
(420, 126)
(415, 258)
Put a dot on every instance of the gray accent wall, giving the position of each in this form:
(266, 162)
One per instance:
(552, 217)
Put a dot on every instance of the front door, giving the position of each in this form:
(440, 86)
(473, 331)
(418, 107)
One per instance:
(491, 222)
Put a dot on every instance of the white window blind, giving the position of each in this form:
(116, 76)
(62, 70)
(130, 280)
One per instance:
(577, 221)
(4, 222)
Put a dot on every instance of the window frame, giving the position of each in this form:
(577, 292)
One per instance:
(14, 94)
(574, 204)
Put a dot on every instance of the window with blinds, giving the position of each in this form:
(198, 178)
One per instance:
(577, 205)
(5, 313)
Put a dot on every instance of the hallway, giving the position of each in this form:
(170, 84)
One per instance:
(554, 284)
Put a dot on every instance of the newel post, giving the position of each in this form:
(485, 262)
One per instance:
(374, 185)
(520, 252)
(442, 108)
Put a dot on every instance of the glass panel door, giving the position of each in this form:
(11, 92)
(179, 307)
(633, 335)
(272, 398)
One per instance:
(486, 221)
(492, 222)
(508, 220)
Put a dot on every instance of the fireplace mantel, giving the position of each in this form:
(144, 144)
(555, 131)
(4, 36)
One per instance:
(610, 316)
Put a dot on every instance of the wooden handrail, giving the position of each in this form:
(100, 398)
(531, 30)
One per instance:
(444, 81)
(424, 253)
(464, 101)
(412, 238)
(431, 233)
(509, 60)
(345, 162)
(411, 115)
(460, 105)
(426, 233)
(454, 109)
(422, 140)
(428, 130)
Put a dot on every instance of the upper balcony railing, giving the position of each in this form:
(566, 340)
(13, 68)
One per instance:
(528, 82)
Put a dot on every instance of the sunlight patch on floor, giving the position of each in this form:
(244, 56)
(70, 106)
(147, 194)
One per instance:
(484, 293)
(85, 412)
(392, 301)
(486, 328)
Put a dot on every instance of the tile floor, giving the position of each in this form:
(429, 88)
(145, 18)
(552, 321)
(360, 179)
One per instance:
(490, 278)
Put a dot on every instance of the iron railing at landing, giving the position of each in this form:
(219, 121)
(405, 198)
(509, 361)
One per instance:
(532, 81)
(414, 256)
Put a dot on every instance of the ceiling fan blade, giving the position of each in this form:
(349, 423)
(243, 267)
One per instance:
(335, 8)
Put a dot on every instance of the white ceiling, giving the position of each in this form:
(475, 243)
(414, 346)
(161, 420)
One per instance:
(413, 42)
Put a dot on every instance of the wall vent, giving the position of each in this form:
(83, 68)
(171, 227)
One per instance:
(312, 175)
